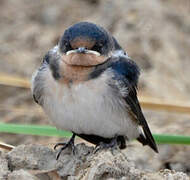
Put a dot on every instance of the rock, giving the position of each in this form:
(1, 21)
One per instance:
(38, 162)
(31, 157)
(168, 174)
(3, 166)
(21, 175)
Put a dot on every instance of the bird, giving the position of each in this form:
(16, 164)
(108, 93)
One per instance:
(87, 84)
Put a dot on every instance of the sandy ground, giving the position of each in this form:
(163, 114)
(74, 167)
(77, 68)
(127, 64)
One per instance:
(155, 34)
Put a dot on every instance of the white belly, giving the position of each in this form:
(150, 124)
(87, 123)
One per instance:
(88, 108)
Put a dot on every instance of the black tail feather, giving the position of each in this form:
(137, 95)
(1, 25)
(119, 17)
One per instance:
(148, 141)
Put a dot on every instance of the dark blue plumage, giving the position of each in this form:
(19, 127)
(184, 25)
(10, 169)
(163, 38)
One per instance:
(86, 29)
(122, 66)
(126, 68)
(90, 32)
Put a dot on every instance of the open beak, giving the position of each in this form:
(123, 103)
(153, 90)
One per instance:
(83, 50)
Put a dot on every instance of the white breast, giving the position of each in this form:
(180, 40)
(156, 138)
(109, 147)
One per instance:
(87, 108)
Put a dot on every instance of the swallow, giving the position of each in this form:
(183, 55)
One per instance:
(87, 84)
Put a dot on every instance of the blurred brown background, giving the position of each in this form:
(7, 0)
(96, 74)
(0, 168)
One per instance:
(156, 34)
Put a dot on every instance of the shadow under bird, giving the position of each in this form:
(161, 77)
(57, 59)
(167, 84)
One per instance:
(87, 84)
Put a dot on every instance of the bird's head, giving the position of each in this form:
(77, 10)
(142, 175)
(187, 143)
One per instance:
(85, 44)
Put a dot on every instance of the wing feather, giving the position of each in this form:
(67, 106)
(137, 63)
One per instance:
(127, 72)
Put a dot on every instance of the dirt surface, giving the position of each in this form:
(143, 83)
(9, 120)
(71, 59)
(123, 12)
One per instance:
(154, 33)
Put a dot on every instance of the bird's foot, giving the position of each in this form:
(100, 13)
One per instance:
(112, 145)
(70, 143)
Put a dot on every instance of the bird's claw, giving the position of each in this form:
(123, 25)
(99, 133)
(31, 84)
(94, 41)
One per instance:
(112, 145)
(65, 145)
(70, 143)
(59, 144)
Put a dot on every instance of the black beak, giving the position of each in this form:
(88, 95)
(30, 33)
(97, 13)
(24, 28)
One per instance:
(81, 50)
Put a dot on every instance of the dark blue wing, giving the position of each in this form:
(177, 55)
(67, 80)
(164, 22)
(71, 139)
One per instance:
(128, 72)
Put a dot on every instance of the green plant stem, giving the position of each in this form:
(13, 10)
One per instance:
(38, 130)
(171, 139)
(52, 131)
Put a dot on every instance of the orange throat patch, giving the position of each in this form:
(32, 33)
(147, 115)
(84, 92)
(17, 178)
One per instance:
(74, 74)
(75, 68)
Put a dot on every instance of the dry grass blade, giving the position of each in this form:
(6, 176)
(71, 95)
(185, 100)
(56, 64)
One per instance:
(157, 104)
(21, 110)
(14, 81)
(6, 146)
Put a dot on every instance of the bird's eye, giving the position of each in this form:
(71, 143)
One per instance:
(66, 43)
(97, 47)
(68, 46)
